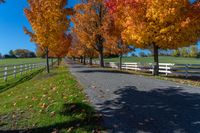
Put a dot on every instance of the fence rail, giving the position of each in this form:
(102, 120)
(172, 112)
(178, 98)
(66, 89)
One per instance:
(187, 70)
(12, 70)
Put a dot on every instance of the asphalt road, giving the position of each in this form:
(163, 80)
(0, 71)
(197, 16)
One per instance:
(137, 104)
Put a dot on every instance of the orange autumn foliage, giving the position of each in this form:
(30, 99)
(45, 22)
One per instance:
(167, 24)
(49, 23)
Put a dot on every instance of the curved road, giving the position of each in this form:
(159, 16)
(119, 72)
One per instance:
(137, 104)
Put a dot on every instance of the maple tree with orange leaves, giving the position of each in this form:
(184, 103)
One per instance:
(157, 24)
(96, 30)
(114, 45)
(49, 25)
(88, 25)
(80, 50)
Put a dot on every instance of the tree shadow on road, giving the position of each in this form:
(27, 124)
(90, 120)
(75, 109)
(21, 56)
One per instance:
(104, 71)
(168, 110)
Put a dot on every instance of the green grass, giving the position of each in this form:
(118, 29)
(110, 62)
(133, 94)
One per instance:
(163, 59)
(47, 103)
(20, 61)
(12, 81)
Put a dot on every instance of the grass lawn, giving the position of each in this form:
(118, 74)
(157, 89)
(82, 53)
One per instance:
(47, 103)
(12, 81)
(163, 59)
(20, 61)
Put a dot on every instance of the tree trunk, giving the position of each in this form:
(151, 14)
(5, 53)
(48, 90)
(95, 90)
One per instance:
(156, 61)
(84, 61)
(90, 60)
(120, 61)
(101, 58)
(47, 59)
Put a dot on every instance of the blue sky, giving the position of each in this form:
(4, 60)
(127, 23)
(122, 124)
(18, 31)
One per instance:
(12, 20)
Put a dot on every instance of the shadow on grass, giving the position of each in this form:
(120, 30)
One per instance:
(20, 80)
(183, 77)
(88, 122)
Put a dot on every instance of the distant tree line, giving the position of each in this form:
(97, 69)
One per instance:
(19, 53)
(192, 52)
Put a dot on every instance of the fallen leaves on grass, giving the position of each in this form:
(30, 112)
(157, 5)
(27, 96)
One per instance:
(34, 98)
(70, 129)
(53, 113)
(43, 105)
(14, 104)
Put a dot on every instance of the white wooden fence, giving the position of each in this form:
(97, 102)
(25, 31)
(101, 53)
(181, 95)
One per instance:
(13, 70)
(187, 70)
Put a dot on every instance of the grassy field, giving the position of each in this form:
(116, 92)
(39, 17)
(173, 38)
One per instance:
(163, 59)
(20, 61)
(47, 103)
(12, 81)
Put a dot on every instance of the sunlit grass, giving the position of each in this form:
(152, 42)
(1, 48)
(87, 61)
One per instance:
(46, 103)
(20, 61)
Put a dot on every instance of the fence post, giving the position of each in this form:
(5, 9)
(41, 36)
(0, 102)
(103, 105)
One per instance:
(166, 70)
(15, 71)
(136, 67)
(5, 73)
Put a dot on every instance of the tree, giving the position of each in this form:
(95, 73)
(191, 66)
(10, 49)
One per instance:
(11, 53)
(114, 44)
(133, 54)
(40, 52)
(22, 53)
(184, 52)
(158, 24)
(1, 56)
(194, 51)
(80, 50)
(165, 52)
(49, 23)
(88, 23)
(142, 54)
(176, 53)
(61, 49)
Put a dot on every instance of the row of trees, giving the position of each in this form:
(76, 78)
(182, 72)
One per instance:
(95, 33)
(19, 53)
(102, 26)
(50, 22)
(113, 27)
(192, 51)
